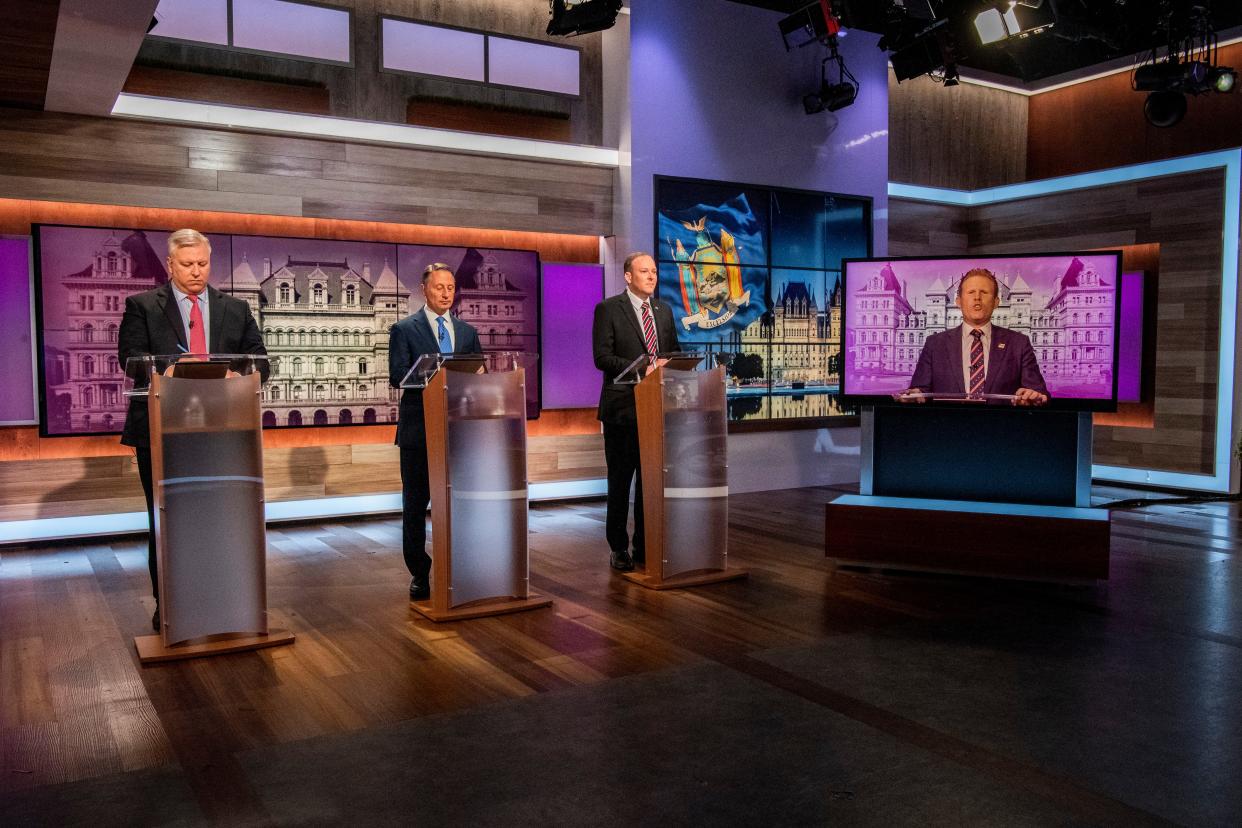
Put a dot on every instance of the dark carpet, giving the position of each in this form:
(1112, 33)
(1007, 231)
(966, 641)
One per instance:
(146, 797)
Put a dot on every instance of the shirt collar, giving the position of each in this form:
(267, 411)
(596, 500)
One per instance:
(181, 295)
(635, 301)
(967, 328)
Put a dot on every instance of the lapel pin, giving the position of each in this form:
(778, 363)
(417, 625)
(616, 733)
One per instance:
(1000, 346)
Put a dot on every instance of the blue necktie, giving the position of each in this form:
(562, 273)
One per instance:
(446, 344)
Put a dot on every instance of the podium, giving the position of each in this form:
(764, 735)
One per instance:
(683, 450)
(974, 487)
(474, 409)
(207, 474)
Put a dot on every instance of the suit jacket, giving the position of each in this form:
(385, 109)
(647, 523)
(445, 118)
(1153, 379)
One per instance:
(617, 340)
(152, 325)
(407, 341)
(1011, 364)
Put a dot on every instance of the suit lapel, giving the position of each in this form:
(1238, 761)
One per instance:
(628, 312)
(996, 359)
(167, 300)
(955, 359)
(215, 309)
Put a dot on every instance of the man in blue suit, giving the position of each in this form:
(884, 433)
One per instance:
(978, 357)
(431, 330)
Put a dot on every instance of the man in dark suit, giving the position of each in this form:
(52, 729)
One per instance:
(431, 330)
(184, 315)
(626, 326)
(978, 357)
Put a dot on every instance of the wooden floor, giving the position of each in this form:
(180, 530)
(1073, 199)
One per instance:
(74, 703)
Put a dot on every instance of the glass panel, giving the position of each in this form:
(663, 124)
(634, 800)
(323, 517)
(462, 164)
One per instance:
(208, 464)
(696, 485)
(532, 65)
(291, 28)
(487, 485)
(206, 21)
(432, 50)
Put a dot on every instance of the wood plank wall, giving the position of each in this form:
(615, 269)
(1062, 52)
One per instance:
(365, 92)
(83, 170)
(965, 137)
(1182, 214)
(1100, 124)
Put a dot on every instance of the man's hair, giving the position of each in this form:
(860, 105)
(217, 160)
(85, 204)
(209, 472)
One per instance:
(433, 267)
(985, 273)
(628, 267)
(186, 238)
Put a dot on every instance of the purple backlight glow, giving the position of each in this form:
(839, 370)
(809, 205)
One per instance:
(1130, 339)
(1065, 303)
(17, 403)
(570, 293)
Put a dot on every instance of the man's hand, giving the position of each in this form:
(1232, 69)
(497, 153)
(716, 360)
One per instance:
(1029, 396)
(910, 395)
(654, 364)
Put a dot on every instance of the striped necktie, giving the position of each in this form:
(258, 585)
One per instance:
(649, 332)
(976, 362)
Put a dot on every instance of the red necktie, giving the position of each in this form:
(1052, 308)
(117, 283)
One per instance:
(976, 362)
(198, 334)
(649, 333)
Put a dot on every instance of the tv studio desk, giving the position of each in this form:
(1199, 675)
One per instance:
(973, 489)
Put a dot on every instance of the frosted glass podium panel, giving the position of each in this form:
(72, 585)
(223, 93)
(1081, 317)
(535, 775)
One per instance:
(696, 472)
(683, 445)
(207, 475)
(475, 415)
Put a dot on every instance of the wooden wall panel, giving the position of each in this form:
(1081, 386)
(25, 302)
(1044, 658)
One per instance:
(494, 120)
(1100, 124)
(966, 137)
(311, 98)
(59, 157)
(1177, 218)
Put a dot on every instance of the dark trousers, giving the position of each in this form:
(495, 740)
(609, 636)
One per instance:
(621, 455)
(415, 497)
(144, 474)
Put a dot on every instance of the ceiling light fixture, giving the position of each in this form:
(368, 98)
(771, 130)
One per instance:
(582, 17)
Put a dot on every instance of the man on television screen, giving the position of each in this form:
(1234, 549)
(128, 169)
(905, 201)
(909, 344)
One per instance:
(977, 357)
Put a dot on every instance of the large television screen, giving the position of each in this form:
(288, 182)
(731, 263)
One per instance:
(324, 307)
(752, 274)
(1066, 304)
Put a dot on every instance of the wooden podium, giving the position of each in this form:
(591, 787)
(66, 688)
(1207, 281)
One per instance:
(683, 448)
(476, 464)
(211, 537)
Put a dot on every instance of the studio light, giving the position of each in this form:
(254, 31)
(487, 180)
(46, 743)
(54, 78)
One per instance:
(1164, 109)
(1223, 79)
(813, 23)
(570, 18)
(1013, 18)
(832, 96)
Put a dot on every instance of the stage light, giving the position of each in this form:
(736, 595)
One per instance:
(1223, 79)
(582, 17)
(993, 25)
(814, 22)
(950, 74)
(1164, 108)
(1013, 18)
(832, 96)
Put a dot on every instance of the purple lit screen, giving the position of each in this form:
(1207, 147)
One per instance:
(17, 403)
(570, 293)
(292, 29)
(206, 21)
(1130, 339)
(532, 65)
(433, 50)
(1065, 304)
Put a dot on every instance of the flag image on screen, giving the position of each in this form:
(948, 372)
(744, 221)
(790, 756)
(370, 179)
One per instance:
(1066, 304)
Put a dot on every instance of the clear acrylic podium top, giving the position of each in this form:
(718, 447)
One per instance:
(139, 369)
(673, 360)
(493, 362)
(916, 396)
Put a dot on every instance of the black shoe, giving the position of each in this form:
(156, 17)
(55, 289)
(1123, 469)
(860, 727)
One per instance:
(621, 561)
(419, 590)
(155, 620)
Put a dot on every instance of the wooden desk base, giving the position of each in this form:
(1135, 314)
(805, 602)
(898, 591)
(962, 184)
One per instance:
(998, 540)
(689, 579)
(151, 649)
(480, 609)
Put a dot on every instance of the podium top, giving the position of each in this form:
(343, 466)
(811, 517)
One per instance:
(427, 366)
(916, 396)
(140, 369)
(673, 360)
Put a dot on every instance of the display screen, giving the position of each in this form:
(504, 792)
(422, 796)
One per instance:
(753, 274)
(324, 307)
(1064, 304)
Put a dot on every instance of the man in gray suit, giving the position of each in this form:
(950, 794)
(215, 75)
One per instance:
(431, 330)
(183, 315)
